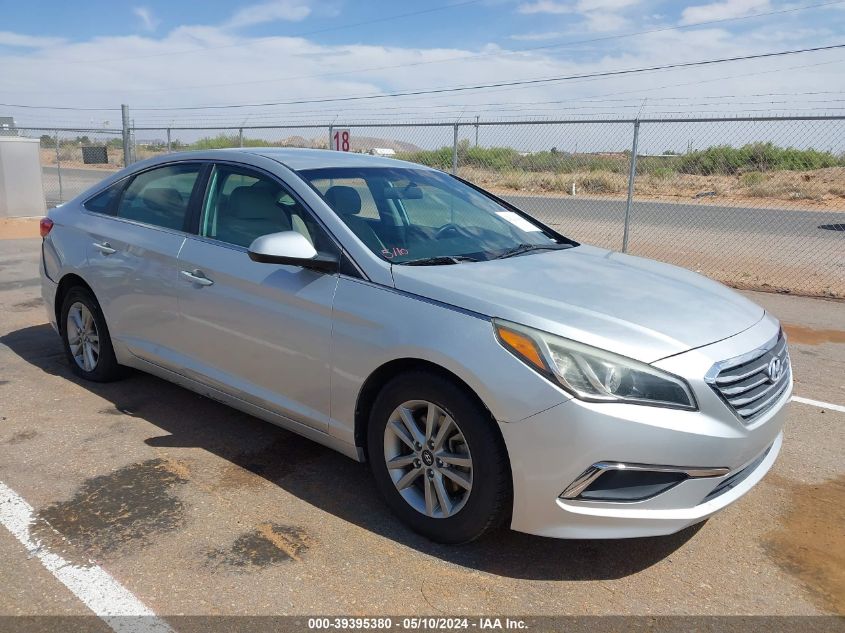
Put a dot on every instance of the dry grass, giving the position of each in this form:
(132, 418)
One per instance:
(822, 188)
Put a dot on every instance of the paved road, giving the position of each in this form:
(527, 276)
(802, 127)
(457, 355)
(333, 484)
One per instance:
(196, 508)
(776, 222)
(73, 182)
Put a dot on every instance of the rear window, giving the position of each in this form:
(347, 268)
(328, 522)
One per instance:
(104, 201)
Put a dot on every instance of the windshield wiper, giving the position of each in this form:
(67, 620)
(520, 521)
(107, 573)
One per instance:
(527, 248)
(438, 261)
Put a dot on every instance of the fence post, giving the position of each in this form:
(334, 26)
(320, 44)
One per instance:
(632, 174)
(331, 129)
(240, 137)
(127, 156)
(477, 118)
(59, 168)
(455, 152)
(168, 141)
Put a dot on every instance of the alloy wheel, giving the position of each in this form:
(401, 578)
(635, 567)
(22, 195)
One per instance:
(428, 458)
(82, 336)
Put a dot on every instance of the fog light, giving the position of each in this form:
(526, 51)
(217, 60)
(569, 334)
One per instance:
(617, 481)
(630, 485)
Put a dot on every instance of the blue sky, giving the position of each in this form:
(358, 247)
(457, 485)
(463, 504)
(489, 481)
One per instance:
(162, 54)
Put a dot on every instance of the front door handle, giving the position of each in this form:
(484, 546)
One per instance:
(104, 248)
(197, 277)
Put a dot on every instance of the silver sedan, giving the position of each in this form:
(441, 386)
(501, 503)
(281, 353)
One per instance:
(489, 369)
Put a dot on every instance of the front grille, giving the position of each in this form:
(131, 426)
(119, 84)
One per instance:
(746, 382)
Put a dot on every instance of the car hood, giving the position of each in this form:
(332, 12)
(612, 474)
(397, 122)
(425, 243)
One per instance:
(636, 307)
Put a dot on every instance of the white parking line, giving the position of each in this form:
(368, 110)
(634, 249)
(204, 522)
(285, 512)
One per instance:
(93, 585)
(819, 403)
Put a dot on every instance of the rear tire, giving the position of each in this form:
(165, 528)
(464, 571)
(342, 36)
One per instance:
(449, 477)
(86, 338)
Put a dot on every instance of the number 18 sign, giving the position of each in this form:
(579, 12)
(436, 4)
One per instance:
(340, 140)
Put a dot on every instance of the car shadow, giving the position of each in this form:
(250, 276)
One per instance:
(332, 482)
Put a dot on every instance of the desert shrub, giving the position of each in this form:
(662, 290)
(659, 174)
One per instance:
(724, 159)
(228, 140)
(438, 158)
(752, 178)
(600, 183)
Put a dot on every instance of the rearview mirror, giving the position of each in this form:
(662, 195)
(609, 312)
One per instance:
(411, 191)
(290, 248)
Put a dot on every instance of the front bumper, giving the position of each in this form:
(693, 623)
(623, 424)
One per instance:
(550, 450)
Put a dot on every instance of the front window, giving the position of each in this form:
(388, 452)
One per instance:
(415, 216)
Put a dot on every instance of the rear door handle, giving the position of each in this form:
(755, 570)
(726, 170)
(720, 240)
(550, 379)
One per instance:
(104, 248)
(197, 277)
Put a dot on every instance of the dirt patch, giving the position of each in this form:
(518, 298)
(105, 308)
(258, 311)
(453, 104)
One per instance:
(19, 228)
(115, 512)
(268, 544)
(810, 336)
(809, 544)
(31, 304)
(22, 436)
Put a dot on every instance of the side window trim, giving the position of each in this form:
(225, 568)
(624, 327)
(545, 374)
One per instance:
(198, 198)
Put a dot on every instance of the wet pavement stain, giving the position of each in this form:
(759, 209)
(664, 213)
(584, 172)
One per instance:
(802, 335)
(273, 462)
(118, 511)
(809, 543)
(269, 544)
(22, 436)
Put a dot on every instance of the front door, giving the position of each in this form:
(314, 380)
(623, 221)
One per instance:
(260, 332)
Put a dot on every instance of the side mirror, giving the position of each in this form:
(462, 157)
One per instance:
(290, 248)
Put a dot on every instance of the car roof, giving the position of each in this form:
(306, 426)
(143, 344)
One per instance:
(301, 159)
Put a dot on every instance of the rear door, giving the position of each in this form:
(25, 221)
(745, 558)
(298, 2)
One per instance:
(260, 332)
(134, 240)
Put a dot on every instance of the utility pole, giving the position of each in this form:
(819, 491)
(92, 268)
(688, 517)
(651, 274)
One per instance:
(455, 151)
(632, 174)
(124, 112)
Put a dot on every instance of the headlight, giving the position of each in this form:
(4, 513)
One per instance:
(593, 374)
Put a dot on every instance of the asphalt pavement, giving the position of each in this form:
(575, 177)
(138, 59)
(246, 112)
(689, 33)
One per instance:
(195, 508)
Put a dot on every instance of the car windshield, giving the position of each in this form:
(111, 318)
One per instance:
(425, 217)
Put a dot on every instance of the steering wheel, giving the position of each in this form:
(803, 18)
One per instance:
(451, 226)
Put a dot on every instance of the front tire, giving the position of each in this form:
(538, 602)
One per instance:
(438, 458)
(86, 339)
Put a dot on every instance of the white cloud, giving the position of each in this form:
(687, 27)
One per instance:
(148, 21)
(545, 6)
(7, 38)
(272, 11)
(604, 5)
(722, 10)
(599, 15)
(230, 67)
(537, 37)
(605, 22)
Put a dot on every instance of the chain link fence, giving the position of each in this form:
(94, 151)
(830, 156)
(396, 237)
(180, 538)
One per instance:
(74, 159)
(754, 203)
